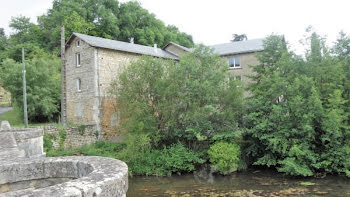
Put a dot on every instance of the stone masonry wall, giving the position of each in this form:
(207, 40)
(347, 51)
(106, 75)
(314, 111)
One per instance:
(74, 137)
(111, 63)
(82, 106)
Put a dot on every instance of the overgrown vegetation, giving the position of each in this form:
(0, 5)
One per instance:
(173, 112)
(298, 116)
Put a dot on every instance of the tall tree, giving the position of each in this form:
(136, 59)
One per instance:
(109, 19)
(296, 117)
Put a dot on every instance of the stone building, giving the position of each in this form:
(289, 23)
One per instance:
(92, 63)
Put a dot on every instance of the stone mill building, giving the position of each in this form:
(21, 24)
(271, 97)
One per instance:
(92, 63)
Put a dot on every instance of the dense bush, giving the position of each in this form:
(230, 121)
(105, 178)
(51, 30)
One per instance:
(165, 161)
(297, 118)
(224, 157)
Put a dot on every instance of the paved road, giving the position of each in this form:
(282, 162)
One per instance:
(4, 109)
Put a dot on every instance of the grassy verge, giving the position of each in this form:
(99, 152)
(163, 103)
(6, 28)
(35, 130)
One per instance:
(5, 104)
(100, 148)
(15, 118)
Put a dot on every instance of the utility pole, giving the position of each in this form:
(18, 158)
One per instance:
(63, 79)
(24, 91)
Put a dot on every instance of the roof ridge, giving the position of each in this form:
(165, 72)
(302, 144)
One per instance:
(255, 39)
(116, 40)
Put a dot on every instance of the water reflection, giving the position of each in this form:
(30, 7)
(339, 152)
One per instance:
(251, 183)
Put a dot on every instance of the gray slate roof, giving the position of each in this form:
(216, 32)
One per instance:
(124, 46)
(239, 47)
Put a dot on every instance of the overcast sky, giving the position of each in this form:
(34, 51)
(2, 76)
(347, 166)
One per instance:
(213, 22)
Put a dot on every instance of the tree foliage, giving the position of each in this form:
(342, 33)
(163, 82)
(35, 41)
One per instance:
(109, 19)
(43, 98)
(190, 101)
(296, 119)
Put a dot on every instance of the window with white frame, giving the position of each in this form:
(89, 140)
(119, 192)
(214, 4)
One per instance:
(77, 59)
(234, 62)
(78, 43)
(78, 84)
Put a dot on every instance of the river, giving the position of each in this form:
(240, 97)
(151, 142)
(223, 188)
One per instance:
(250, 183)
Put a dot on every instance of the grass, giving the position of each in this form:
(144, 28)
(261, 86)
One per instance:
(100, 148)
(5, 104)
(15, 118)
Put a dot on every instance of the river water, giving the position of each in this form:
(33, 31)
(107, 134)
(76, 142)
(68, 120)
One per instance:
(251, 183)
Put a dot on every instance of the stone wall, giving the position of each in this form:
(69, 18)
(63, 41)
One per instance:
(93, 104)
(111, 64)
(16, 143)
(71, 137)
(84, 176)
(82, 105)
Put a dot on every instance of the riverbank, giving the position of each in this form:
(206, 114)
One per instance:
(249, 183)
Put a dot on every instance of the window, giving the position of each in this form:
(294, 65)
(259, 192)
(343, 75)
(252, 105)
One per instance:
(234, 62)
(77, 59)
(78, 43)
(78, 84)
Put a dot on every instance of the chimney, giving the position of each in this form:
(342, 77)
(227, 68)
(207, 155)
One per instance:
(131, 40)
(155, 48)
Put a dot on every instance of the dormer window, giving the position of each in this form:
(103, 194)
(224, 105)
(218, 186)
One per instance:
(234, 62)
(78, 43)
(77, 59)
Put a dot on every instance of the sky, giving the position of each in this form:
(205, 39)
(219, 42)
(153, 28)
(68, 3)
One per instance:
(213, 22)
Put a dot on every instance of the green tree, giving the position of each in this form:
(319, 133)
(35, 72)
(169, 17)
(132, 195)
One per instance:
(342, 52)
(43, 98)
(296, 117)
(75, 23)
(109, 19)
(3, 43)
(190, 101)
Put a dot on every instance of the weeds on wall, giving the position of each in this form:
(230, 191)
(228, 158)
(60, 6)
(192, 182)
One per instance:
(81, 129)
